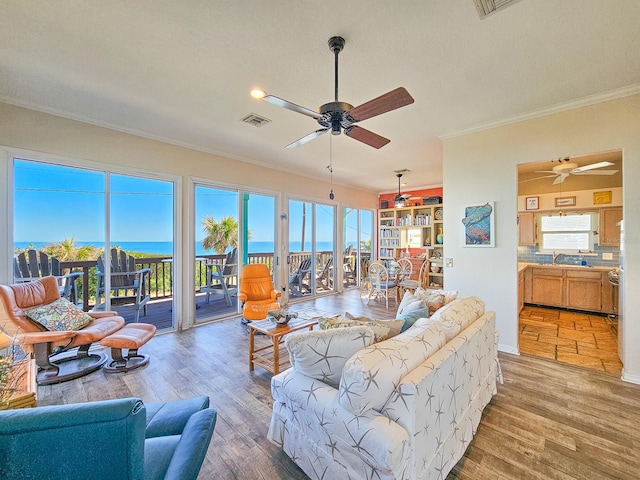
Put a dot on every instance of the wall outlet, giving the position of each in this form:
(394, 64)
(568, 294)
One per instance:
(607, 256)
(448, 262)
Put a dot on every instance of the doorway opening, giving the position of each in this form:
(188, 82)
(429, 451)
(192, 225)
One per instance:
(569, 250)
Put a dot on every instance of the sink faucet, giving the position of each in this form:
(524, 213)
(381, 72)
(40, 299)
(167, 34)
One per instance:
(555, 257)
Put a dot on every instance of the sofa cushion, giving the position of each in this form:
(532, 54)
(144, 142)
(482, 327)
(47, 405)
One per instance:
(321, 354)
(409, 303)
(370, 376)
(382, 329)
(456, 316)
(410, 318)
(59, 315)
(449, 295)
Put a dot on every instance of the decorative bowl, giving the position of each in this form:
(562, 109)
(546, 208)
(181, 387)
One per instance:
(281, 317)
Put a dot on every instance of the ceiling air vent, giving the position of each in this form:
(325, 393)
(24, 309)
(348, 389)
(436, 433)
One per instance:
(487, 7)
(255, 120)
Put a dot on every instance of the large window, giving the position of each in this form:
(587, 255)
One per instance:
(567, 233)
(73, 215)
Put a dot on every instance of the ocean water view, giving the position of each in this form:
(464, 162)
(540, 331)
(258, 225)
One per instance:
(166, 248)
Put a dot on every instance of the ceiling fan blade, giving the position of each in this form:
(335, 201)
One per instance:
(592, 166)
(596, 172)
(537, 178)
(560, 179)
(366, 136)
(307, 138)
(545, 171)
(279, 102)
(384, 103)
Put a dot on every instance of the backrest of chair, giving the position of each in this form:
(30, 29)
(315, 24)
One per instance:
(35, 264)
(231, 263)
(326, 269)
(120, 263)
(98, 440)
(14, 299)
(404, 269)
(378, 275)
(256, 282)
(305, 266)
(423, 276)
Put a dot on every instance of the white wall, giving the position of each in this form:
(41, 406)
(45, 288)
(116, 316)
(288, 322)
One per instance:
(482, 166)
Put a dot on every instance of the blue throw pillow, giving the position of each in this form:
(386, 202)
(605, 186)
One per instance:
(411, 317)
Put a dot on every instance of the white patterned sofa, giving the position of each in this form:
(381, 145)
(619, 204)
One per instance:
(403, 408)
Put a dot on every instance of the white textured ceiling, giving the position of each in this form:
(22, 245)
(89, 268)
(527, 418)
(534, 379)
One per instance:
(182, 71)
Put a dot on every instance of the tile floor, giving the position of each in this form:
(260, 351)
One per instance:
(570, 337)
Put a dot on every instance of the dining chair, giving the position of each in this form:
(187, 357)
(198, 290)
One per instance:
(383, 284)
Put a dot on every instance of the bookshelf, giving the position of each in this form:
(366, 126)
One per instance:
(418, 230)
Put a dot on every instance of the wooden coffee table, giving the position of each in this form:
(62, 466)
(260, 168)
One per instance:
(274, 356)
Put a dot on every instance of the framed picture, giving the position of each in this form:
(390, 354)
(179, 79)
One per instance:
(479, 230)
(532, 203)
(565, 201)
(602, 198)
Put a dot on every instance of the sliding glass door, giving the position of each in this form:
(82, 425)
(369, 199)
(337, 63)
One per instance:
(65, 220)
(232, 228)
(357, 228)
(217, 232)
(311, 248)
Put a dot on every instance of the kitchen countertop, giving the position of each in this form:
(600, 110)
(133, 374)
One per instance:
(523, 266)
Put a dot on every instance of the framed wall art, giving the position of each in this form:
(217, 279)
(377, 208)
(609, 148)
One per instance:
(602, 198)
(479, 229)
(532, 203)
(565, 201)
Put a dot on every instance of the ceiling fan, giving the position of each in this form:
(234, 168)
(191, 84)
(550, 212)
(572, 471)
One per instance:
(340, 116)
(562, 171)
(400, 199)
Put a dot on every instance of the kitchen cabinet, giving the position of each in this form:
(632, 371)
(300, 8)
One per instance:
(526, 228)
(520, 290)
(609, 228)
(570, 287)
(583, 290)
(547, 286)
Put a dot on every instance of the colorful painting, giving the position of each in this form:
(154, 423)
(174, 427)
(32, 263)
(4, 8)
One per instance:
(478, 226)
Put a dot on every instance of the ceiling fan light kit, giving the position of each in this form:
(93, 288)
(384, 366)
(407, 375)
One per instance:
(400, 200)
(341, 117)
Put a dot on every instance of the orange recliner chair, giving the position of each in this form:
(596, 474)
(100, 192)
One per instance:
(257, 293)
(45, 344)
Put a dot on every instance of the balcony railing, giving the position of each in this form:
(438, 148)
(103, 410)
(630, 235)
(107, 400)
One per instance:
(161, 279)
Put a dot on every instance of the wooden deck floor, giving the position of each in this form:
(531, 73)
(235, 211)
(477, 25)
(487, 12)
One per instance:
(160, 312)
(548, 420)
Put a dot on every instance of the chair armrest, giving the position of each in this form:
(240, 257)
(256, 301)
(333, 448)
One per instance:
(108, 313)
(170, 418)
(192, 448)
(71, 276)
(242, 296)
(33, 338)
(275, 294)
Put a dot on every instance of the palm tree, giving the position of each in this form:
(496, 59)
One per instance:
(66, 250)
(219, 235)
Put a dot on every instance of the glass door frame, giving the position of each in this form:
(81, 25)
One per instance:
(189, 253)
(9, 155)
(286, 236)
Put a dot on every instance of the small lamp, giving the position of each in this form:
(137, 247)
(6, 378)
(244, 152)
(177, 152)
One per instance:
(5, 340)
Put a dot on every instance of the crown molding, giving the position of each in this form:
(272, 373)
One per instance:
(560, 107)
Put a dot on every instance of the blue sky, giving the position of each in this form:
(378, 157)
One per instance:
(55, 202)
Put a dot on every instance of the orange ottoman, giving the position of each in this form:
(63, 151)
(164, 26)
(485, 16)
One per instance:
(131, 337)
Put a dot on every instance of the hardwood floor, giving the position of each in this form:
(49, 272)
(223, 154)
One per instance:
(547, 421)
(576, 338)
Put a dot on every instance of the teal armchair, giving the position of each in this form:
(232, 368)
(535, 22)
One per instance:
(111, 439)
